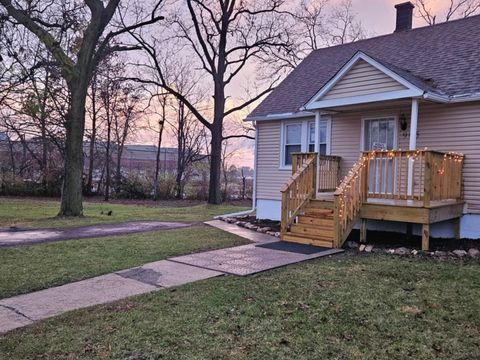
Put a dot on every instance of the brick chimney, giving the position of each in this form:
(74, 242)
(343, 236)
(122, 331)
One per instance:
(404, 16)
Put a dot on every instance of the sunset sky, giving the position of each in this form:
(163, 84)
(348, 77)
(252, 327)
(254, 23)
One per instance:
(377, 18)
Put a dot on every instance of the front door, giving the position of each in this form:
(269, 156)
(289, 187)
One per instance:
(380, 134)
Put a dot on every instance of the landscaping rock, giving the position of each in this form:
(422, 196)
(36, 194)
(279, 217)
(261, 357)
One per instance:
(362, 248)
(439, 253)
(401, 251)
(414, 252)
(264, 229)
(231, 220)
(271, 233)
(250, 226)
(390, 251)
(459, 253)
(368, 248)
(474, 253)
(351, 245)
(277, 234)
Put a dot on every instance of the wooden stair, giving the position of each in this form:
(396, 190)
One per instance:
(314, 226)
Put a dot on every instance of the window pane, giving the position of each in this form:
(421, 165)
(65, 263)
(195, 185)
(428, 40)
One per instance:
(323, 133)
(311, 148)
(323, 149)
(311, 133)
(294, 134)
(379, 134)
(391, 133)
(289, 149)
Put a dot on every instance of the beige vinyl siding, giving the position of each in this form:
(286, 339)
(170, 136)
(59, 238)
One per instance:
(362, 79)
(270, 178)
(455, 128)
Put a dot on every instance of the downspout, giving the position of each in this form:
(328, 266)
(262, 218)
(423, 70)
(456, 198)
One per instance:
(254, 190)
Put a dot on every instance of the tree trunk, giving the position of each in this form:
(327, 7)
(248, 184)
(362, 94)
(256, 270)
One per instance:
(107, 164)
(180, 151)
(71, 204)
(214, 190)
(93, 138)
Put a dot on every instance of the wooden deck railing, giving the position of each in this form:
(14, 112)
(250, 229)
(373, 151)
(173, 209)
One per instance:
(328, 172)
(423, 175)
(348, 200)
(299, 189)
(443, 176)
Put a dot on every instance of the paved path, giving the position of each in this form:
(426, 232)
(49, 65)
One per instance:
(23, 310)
(243, 260)
(35, 236)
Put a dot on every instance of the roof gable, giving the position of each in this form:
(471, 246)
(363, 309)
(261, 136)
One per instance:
(362, 79)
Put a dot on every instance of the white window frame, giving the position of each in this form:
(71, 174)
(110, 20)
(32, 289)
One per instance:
(304, 136)
(284, 138)
(379, 117)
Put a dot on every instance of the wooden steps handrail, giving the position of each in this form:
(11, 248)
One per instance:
(299, 189)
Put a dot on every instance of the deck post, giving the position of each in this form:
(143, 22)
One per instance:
(425, 237)
(317, 148)
(363, 231)
(413, 142)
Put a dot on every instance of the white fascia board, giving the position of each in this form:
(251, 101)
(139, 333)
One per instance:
(284, 116)
(346, 68)
(364, 99)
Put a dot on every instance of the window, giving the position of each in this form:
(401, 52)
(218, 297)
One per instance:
(293, 141)
(379, 134)
(300, 137)
(323, 137)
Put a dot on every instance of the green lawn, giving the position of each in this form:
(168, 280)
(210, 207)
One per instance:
(362, 307)
(41, 213)
(28, 268)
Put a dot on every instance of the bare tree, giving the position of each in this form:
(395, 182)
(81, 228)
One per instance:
(456, 9)
(224, 36)
(125, 118)
(49, 22)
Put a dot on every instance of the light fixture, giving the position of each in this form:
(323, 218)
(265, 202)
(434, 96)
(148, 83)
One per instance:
(403, 122)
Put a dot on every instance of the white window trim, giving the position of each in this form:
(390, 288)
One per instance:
(304, 137)
(379, 117)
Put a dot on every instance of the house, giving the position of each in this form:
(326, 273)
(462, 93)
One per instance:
(380, 134)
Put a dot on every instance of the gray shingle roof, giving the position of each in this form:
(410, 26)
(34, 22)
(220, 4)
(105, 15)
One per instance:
(445, 56)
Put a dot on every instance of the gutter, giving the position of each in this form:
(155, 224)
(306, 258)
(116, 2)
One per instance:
(452, 99)
(254, 190)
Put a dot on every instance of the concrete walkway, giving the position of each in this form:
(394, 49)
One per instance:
(24, 309)
(35, 236)
(243, 260)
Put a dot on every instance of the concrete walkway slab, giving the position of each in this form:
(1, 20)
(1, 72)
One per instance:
(242, 232)
(167, 273)
(28, 237)
(247, 259)
(50, 302)
(10, 320)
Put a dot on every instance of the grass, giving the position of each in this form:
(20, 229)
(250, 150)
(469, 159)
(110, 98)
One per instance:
(29, 268)
(365, 307)
(41, 213)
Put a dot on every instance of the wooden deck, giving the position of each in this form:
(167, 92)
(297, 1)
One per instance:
(416, 187)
